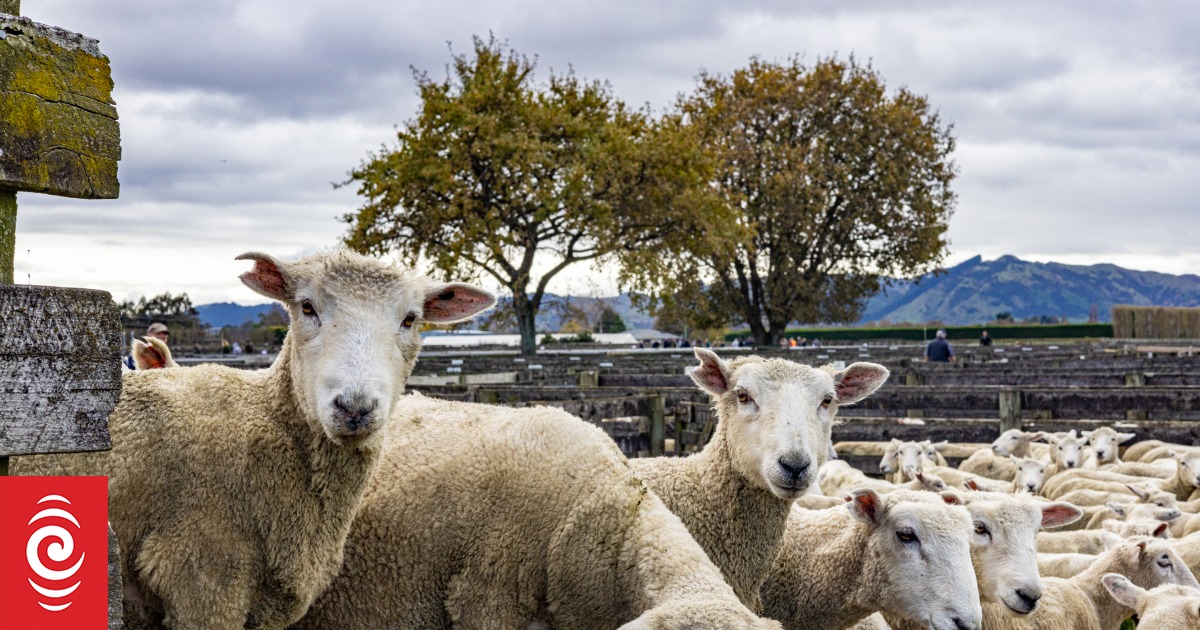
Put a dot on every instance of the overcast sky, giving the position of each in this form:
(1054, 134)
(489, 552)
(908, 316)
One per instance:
(1078, 123)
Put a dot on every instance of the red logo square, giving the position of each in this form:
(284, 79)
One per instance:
(53, 553)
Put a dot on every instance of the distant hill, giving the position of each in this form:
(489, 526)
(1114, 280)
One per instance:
(221, 314)
(976, 290)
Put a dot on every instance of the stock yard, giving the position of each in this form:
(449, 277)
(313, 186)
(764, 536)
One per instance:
(643, 399)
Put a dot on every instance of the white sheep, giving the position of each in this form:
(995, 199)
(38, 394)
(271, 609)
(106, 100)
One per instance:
(1129, 529)
(994, 462)
(1004, 529)
(1066, 452)
(1105, 443)
(1064, 565)
(1135, 452)
(774, 420)
(903, 552)
(232, 491)
(902, 461)
(1164, 606)
(1082, 603)
(483, 516)
(1089, 541)
(1028, 476)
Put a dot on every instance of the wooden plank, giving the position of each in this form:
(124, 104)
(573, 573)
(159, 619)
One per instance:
(60, 371)
(58, 123)
(657, 429)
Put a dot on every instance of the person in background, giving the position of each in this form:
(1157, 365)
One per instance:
(985, 340)
(939, 350)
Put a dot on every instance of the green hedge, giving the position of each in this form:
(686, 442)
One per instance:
(1034, 331)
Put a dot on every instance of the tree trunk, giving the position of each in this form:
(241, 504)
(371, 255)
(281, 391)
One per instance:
(525, 323)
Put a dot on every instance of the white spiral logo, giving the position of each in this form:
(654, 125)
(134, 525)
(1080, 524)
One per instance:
(59, 551)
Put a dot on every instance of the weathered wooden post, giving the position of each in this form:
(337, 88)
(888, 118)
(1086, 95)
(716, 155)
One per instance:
(60, 372)
(658, 412)
(1010, 409)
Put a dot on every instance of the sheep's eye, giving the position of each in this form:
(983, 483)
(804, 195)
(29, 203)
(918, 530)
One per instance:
(981, 529)
(1014, 438)
(408, 321)
(306, 307)
(906, 535)
(743, 397)
(828, 401)
(1060, 448)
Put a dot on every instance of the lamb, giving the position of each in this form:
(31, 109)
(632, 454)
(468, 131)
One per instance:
(1019, 443)
(1164, 606)
(839, 565)
(1090, 541)
(1029, 476)
(483, 516)
(1105, 442)
(232, 491)
(1067, 451)
(994, 463)
(1064, 565)
(902, 460)
(1081, 603)
(773, 431)
(1002, 549)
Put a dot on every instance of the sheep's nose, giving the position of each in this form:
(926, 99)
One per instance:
(1029, 599)
(1101, 454)
(356, 410)
(795, 468)
(960, 624)
(1031, 486)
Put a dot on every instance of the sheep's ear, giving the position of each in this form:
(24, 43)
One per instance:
(866, 505)
(152, 354)
(1110, 539)
(971, 484)
(1015, 460)
(1037, 436)
(1142, 492)
(1059, 513)
(858, 381)
(951, 497)
(455, 302)
(1162, 531)
(267, 277)
(712, 375)
(1125, 437)
(1118, 508)
(941, 446)
(1050, 438)
(832, 452)
(1086, 435)
(1125, 592)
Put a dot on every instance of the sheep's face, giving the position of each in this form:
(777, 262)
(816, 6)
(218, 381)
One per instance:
(1153, 503)
(1105, 442)
(1164, 606)
(1067, 449)
(890, 462)
(1030, 476)
(924, 547)
(1149, 562)
(353, 335)
(910, 459)
(1004, 546)
(1129, 529)
(776, 416)
(1014, 442)
(1189, 467)
(1144, 512)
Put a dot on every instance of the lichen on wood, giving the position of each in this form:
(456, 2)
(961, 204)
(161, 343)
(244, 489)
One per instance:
(58, 123)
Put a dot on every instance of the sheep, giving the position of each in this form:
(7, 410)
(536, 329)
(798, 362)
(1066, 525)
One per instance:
(1143, 492)
(1182, 484)
(232, 491)
(1004, 529)
(1189, 549)
(1165, 451)
(902, 552)
(1128, 529)
(1081, 602)
(1105, 443)
(774, 420)
(1132, 512)
(994, 462)
(902, 460)
(1067, 451)
(483, 516)
(1029, 476)
(1090, 541)
(1164, 606)
(1135, 452)
(1064, 565)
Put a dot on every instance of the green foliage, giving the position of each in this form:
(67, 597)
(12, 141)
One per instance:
(838, 183)
(610, 321)
(954, 333)
(496, 171)
(172, 310)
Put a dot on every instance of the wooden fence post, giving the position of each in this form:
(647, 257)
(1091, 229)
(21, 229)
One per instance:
(658, 412)
(1010, 409)
(589, 378)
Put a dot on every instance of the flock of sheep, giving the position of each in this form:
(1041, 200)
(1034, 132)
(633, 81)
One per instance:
(315, 494)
